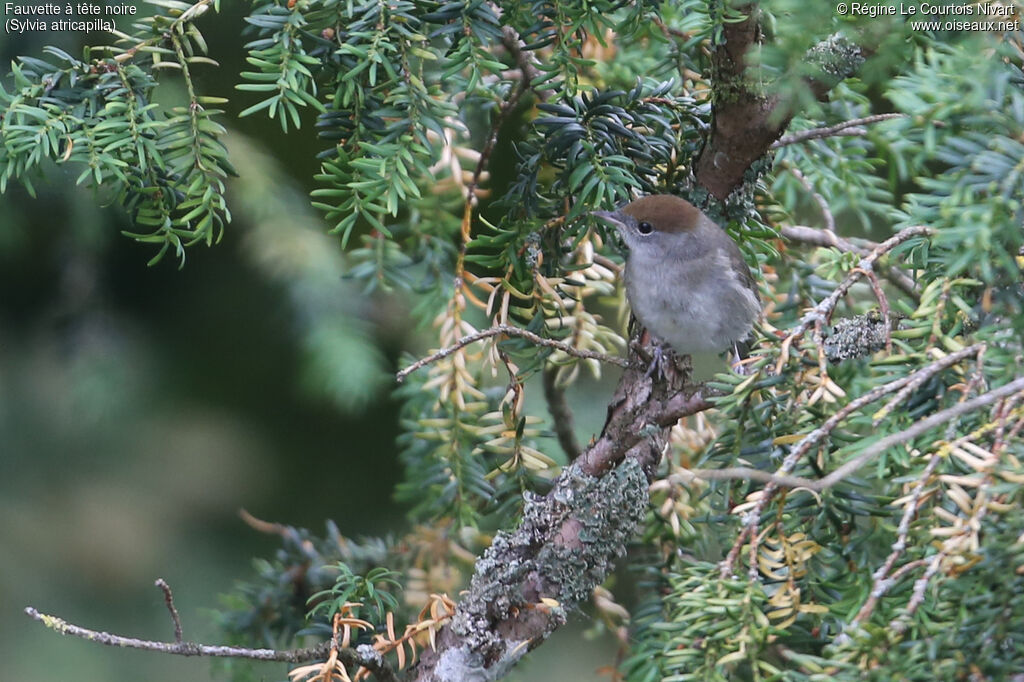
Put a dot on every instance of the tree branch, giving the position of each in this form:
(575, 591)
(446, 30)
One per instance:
(881, 581)
(561, 414)
(530, 578)
(62, 627)
(747, 121)
(782, 478)
(826, 212)
(823, 311)
(169, 601)
(364, 655)
(516, 332)
(525, 60)
(869, 453)
(850, 127)
(815, 237)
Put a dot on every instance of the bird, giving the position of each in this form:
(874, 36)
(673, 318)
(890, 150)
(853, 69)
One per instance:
(686, 279)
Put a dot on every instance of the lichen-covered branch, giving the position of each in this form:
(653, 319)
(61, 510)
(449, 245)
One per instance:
(747, 119)
(529, 579)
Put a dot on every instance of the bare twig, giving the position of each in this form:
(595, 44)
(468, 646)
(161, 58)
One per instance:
(516, 332)
(917, 379)
(525, 60)
(872, 451)
(366, 657)
(669, 31)
(169, 601)
(268, 527)
(899, 624)
(881, 580)
(61, 626)
(826, 212)
(782, 478)
(815, 237)
(823, 311)
(561, 413)
(843, 128)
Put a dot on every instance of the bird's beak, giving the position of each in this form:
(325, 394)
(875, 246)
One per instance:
(613, 217)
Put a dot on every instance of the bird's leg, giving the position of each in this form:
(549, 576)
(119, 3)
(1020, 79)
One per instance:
(739, 361)
(663, 359)
(660, 357)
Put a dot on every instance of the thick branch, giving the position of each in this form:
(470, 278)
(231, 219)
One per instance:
(747, 120)
(529, 579)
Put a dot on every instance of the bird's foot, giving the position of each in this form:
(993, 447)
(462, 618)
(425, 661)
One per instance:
(657, 368)
(663, 362)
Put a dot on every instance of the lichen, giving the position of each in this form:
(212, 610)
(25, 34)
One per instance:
(607, 510)
(857, 337)
(837, 58)
(563, 548)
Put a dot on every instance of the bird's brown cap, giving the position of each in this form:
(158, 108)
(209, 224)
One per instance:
(667, 213)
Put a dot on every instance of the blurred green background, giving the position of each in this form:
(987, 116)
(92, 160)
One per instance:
(142, 407)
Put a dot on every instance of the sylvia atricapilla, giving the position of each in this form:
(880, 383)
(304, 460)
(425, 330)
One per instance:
(686, 279)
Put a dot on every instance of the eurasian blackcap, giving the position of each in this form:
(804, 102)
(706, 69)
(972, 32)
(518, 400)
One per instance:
(686, 279)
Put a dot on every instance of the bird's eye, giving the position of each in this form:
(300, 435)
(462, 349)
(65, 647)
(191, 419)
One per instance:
(645, 227)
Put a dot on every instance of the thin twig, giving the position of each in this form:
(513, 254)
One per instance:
(561, 413)
(862, 247)
(809, 441)
(268, 527)
(350, 657)
(525, 60)
(169, 601)
(516, 332)
(899, 624)
(62, 627)
(806, 234)
(832, 131)
(917, 379)
(881, 580)
(970, 526)
(669, 31)
(937, 419)
(823, 311)
(826, 212)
